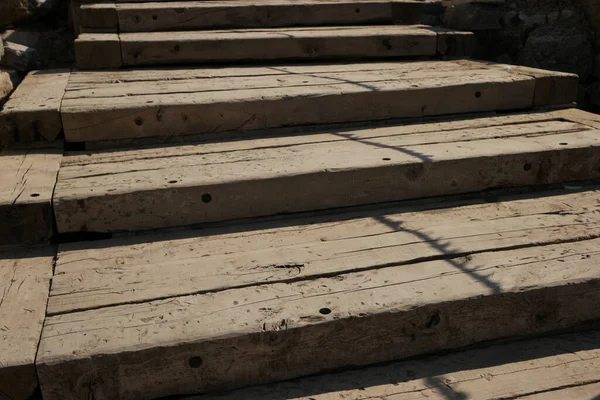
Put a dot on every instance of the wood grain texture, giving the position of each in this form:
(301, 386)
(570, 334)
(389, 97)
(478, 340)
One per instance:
(126, 270)
(97, 18)
(98, 50)
(553, 368)
(341, 42)
(32, 112)
(173, 102)
(217, 182)
(24, 284)
(28, 178)
(197, 15)
(266, 333)
(551, 88)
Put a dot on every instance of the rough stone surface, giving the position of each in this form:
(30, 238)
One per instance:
(19, 57)
(9, 79)
(473, 16)
(54, 47)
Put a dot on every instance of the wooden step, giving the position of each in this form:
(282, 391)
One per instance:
(150, 316)
(105, 50)
(28, 178)
(198, 15)
(109, 105)
(131, 190)
(554, 368)
(25, 277)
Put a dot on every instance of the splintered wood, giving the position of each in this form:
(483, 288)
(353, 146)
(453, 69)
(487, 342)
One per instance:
(208, 182)
(24, 284)
(28, 178)
(312, 289)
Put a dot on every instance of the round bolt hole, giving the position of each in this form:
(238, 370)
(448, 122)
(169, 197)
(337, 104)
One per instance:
(325, 311)
(155, 17)
(206, 197)
(527, 167)
(478, 94)
(357, 11)
(34, 195)
(173, 181)
(386, 159)
(138, 121)
(195, 362)
(563, 143)
(176, 48)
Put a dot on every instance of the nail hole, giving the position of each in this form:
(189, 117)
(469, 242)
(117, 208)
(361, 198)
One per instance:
(357, 11)
(564, 143)
(386, 159)
(34, 195)
(138, 121)
(527, 167)
(155, 17)
(173, 181)
(325, 311)
(478, 94)
(206, 197)
(176, 48)
(195, 362)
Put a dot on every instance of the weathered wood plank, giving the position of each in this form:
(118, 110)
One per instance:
(32, 113)
(98, 50)
(280, 331)
(193, 15)
(544, 367)
(28, 178)
(353, 168)
(343, 42)
(119, 116)
(551, 88)
(99, 18)
(125, 271)
(24, 284)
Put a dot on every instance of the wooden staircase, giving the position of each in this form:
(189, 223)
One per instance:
(343, 188)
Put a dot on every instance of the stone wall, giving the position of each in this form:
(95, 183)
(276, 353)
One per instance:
(559, 35)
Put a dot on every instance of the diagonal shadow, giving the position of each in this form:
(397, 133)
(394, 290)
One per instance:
(363, 85)
(443, 248)
(412, 153)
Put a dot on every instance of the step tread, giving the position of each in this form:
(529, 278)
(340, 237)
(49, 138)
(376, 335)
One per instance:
(24, 284)
(236, 45)
(552, 368)
(28, 178)
(273, 331)
(186, 15)
(107, 105)
(208, 182)
(83, 275)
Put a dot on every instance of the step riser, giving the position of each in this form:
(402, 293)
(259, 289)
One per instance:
(137, 49)
(165, 17)
(314, 107)
(162, 208)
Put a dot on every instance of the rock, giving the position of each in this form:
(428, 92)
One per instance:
(567, 52)
(473, 16)
(1, 49)
(567, 14)
(535, 21)
(510, 18)
(14, 11)
(19, 57)
(553, 17)
(54, 47)
(9, 80)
